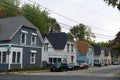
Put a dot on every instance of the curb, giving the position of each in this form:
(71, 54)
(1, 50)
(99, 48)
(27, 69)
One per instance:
(23, 72)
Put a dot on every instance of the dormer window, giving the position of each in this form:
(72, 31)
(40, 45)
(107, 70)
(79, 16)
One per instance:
(33, 39)
(23, 37)
(46, 46)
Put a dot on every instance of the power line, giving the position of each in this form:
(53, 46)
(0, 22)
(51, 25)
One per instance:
(97, 34)
(55, 12)
(65, 16)
(95, 12)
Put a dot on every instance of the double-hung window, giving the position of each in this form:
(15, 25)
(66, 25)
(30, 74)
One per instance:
(23, 37)
(3, 57)
(16, 57)
(33, 39)
(68, 45)
(46, 46)
(33, 56)
(72, 48)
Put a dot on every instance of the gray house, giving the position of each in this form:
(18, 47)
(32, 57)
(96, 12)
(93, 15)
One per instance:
(20, 44)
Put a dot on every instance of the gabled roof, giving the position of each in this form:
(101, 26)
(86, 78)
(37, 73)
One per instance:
(57, 40)
(106, 50)
(83, 46)
(8, 26)
(97, 50)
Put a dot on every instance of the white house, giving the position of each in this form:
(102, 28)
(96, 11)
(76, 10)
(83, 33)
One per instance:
(58, 47)
(102, 56)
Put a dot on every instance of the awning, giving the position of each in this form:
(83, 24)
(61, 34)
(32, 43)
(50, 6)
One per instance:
(33, 51)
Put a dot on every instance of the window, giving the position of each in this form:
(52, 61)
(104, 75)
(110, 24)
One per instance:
(71, 47)
(59, 59)
(33, 40)
(0, 57)
(16, 57)
(23, 38)
(3, 57)
(64, 60)
(67, 47)
(46, 46)
(32, 58)
(13, 57)
(50, 60)
(54, 60)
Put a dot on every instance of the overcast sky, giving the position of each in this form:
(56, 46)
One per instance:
(104, 20)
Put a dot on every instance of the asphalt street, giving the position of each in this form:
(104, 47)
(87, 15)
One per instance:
(101, 73)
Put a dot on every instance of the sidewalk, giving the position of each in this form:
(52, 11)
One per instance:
(23, 72)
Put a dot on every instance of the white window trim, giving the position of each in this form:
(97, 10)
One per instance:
(23, 32)
(33, 57)
(32, 41)
(2, 58)
(16, 57)
(34, 34)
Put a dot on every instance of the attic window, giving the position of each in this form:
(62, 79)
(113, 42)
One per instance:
(33, 39)
(23, 36)
(46, 46)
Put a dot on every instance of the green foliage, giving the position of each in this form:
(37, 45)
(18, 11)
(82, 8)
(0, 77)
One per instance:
(54, 25)
(103, 44)
(115, 44)
(81, 32)
(10, 7)
(113, 3)
(33, 13)
(38, 17)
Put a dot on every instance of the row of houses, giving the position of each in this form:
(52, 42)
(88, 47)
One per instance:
(22, 46)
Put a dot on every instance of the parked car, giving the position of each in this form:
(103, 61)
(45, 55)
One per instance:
(116, 62)
(70, 66)
(84, 66)
(58, 67)
(98, 64)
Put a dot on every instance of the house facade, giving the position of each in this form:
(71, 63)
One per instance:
(102, 55)
(20, 44)
(85, 53)
(97, 55)
(106, 56)
(58, 47)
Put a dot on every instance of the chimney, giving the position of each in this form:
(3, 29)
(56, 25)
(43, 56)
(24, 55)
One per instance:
(49, 29)
(2, 13)
(59, 29)
(18, 13)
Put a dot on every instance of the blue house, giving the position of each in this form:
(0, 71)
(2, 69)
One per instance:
(85, 53)
(20, 44)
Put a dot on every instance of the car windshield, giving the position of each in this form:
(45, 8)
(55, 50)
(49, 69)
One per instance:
(57, 64)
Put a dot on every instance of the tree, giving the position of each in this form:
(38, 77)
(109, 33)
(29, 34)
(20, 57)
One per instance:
(113, 3)
(39, 19)
(81, 32)
(54, 25)
(10, 7)
(116, 43)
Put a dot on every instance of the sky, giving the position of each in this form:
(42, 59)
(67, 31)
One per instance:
(104, 20)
